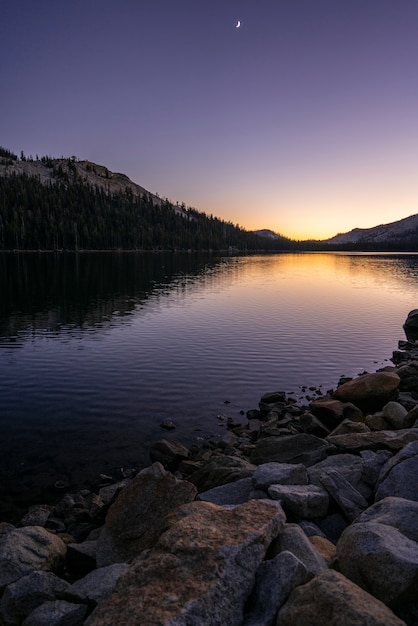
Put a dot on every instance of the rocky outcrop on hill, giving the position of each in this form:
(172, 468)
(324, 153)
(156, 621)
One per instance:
(304, 515)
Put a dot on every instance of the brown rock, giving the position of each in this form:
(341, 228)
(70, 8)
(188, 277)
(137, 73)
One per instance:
(325, 548)
(332, 599)
(303, 448)
(330, 412)
(136, 518)
(201, 571)
(380, 440)
(168, 453)
(369, 391)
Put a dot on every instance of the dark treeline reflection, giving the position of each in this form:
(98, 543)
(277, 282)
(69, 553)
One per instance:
(46, 291)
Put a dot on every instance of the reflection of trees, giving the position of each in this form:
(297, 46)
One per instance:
(49, 291)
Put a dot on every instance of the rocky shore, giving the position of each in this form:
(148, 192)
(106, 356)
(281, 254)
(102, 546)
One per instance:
(306, 515)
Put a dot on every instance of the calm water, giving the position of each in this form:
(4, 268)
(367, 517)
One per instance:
(96, 350)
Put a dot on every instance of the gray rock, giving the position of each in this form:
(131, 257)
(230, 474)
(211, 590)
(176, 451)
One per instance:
(408, 375)
(279, 473)
(293, 539)
(57, 613)
(399, 477)
(231, 493)
(304, 501)
(310, 529)
(350, 501)
(137, 517)
(99, 584)
(24, 550)
(81, 557)
(373, 463)
(109, 492)
(397, 512)
(275, 580)
(380, 559)
(349, 465)
(23, 596)
(397, 416)
(332, 600)
(347, 426)
(303, 448)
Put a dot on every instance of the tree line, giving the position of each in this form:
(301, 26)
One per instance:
(69, 214)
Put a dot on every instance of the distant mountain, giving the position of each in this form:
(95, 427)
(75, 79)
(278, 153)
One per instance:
(269, 234)
(395, 232)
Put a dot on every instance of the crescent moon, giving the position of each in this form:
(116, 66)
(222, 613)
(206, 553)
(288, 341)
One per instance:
(238, 24)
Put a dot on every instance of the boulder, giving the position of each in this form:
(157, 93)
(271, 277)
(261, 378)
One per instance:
(305, 449)
(168, 453)
(268, 474)
(392, 440)
(397, 512)
(350, 501)
(411, 325)
(219, 470)
(373, 463)
(399, 477)
(23, 596)
(347, 426)
(137, 517)
(293, 539)
(57, 613)
(397, 416)
(24, 550)
(330, 412)
(349, 465)
(331, 599)
(201, 570)
(325, 547)
(380, 559)
(408, 375)
(275, 580)
(369, 391)
(234, 493)
(99, 584)
(304, 501)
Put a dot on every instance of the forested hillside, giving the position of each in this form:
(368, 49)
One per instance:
(66, 211)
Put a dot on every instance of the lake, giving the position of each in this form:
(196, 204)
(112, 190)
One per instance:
(98, 349)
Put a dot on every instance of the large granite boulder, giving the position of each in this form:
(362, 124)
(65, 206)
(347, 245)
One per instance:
(333, 600)
(399, 477)
(397, 512)
(369, 391)
(24, 550)
(305, 449)
(380, 559)
(304, 501)
(201, 571)
(350, 465)
(137, 517)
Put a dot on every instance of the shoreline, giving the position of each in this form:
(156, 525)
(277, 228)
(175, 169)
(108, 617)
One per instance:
(319, 501)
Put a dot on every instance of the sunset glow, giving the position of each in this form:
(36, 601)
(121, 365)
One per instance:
(302, 120)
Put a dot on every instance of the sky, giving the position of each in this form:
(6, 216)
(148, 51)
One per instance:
(303, 120)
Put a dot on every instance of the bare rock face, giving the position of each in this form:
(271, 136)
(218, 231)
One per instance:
(137, 517)
(400, 513)
(201, 570)
(369, 391)
(333, 600)
(27, 549)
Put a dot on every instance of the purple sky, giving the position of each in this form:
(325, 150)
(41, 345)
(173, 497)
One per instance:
(304, 120)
